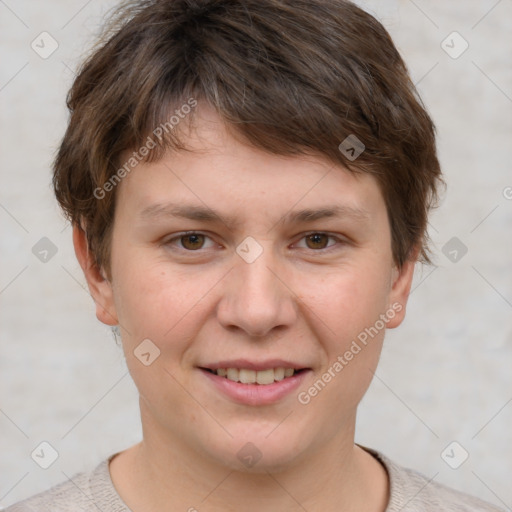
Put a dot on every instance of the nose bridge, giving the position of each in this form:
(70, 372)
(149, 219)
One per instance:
(255, 300)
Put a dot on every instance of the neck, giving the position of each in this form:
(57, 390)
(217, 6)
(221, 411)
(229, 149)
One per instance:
(162, 474)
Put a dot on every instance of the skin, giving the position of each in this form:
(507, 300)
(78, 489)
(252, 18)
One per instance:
(299, 300)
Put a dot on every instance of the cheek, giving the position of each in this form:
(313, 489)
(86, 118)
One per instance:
(348, 306)
(168, 307)
(165, 308)
(350, 300)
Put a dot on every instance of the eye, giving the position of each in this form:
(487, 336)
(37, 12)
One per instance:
(193, 241)
(189, 241)
(319, 241)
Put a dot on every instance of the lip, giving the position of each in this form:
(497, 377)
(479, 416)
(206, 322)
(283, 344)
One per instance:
(256, 394)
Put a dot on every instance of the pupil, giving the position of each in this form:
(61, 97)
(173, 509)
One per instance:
(194, 239)
(315, 238)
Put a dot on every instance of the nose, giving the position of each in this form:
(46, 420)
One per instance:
(257, 299)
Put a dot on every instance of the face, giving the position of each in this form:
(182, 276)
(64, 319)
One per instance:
(230, 260)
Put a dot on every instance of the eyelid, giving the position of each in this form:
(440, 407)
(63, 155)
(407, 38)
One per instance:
(178, 236)
(339, 239)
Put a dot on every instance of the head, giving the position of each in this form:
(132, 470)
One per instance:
(267, 119)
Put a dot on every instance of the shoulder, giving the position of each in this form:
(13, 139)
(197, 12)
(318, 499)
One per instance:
(83, 492)
(60, 498)
(411, 491)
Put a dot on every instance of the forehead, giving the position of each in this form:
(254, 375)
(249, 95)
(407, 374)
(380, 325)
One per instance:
(222, 179)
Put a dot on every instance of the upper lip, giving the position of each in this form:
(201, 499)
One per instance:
(254, 365)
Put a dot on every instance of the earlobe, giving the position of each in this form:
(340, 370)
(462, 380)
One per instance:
(400, 289)
(100, 287)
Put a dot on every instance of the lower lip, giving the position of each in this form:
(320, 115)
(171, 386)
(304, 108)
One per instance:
(256, 394)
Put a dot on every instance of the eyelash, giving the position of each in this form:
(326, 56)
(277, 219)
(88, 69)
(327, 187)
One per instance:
(327, 249)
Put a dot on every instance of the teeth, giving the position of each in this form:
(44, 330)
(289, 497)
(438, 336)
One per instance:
(246, 376)
(232, 374)
(265, 376)
(279, 373)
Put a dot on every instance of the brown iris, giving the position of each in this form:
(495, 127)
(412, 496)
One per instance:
(195, 241)
(319, 240)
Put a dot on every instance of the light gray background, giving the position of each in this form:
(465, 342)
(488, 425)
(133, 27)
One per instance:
(445, 375)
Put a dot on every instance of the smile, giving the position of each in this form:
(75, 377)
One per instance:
(263, 384)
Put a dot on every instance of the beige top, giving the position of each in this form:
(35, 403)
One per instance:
(94, 491)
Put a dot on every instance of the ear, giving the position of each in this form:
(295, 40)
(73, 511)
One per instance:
(400, 289)
(99, 286)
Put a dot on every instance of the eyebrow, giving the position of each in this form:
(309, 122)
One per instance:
(205, 214)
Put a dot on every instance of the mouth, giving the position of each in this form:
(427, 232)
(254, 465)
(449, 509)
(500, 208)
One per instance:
(255, 384)
(260, 377)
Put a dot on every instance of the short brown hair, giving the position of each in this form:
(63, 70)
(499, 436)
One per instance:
(290, 76)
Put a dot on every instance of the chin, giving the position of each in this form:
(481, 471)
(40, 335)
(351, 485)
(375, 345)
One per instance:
(255, 453)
